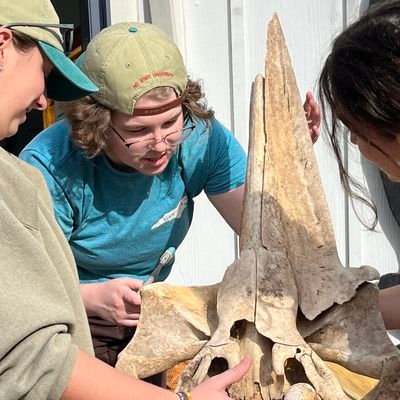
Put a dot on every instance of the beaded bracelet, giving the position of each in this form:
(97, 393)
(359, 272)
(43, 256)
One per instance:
(185, 396)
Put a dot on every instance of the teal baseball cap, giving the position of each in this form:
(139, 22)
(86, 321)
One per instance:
(38, 20)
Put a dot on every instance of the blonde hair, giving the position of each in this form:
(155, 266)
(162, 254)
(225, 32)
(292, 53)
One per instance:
(90, 121)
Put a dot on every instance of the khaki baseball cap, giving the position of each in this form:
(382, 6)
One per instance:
(127, 60)
(66, 81)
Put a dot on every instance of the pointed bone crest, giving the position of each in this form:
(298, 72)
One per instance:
(287, 301)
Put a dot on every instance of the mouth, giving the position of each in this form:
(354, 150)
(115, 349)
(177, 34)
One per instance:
(156, 161)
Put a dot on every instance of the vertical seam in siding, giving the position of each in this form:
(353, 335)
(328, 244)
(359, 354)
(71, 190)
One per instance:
(346, 166)
(232, 100)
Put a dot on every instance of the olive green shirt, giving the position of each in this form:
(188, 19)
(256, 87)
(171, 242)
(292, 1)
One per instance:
(42, 319)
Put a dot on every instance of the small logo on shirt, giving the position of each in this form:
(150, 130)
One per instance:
(173, 214)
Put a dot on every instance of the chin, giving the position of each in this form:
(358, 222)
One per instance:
(152, 171)
(14, 126)
(11, 132)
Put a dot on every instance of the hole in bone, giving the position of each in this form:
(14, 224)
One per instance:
(217, 366)
(294, 372)
(238, 329)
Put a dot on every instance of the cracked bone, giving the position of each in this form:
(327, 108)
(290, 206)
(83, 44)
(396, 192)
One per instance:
(287, 301)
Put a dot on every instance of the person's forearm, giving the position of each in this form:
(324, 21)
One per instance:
(94, 380)
(389, 303)
(230, 206)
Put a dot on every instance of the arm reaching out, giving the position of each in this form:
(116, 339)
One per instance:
(230, 205)
(93, 380)
(214, 388)
(389, 302)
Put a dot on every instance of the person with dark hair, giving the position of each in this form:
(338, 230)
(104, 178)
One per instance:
(359, 89)
(124, 167)
(45, 349)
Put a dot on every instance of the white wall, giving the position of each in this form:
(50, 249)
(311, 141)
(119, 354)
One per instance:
(223, 43)
(125, 10)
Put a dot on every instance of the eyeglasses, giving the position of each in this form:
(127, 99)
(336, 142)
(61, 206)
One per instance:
(172, 139)
(66, 30)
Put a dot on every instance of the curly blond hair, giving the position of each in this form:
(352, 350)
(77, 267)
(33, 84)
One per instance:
(90, 121)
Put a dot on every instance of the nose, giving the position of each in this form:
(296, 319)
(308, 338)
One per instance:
(40, 103)
(353, 138)
(159, 144)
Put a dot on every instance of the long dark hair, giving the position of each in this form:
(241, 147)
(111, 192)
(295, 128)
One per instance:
(359, 86)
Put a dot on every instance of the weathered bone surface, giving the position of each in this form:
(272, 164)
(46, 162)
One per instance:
(287, 301)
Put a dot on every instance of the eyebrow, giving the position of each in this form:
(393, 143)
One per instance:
(375, 146)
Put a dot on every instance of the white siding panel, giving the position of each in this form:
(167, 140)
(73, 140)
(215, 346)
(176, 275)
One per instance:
(210, 245)
(125, 10)
(168, 15)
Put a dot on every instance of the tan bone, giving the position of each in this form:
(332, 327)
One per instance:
(287, 301)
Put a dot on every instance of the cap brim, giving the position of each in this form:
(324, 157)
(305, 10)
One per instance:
(66, 82)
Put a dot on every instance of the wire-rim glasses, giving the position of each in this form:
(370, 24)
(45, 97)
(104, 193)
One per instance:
(149, 144)
(66, 30)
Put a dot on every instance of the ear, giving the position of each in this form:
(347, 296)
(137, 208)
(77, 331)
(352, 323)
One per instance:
(5, 41)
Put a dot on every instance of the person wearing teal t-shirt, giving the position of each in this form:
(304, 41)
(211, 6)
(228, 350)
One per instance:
(124, 167)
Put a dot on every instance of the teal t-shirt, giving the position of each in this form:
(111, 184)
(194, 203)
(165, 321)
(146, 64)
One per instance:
(118, 224)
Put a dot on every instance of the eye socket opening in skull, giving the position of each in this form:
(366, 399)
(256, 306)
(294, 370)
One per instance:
(238, 329)
(217, 366)
(294, 372)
